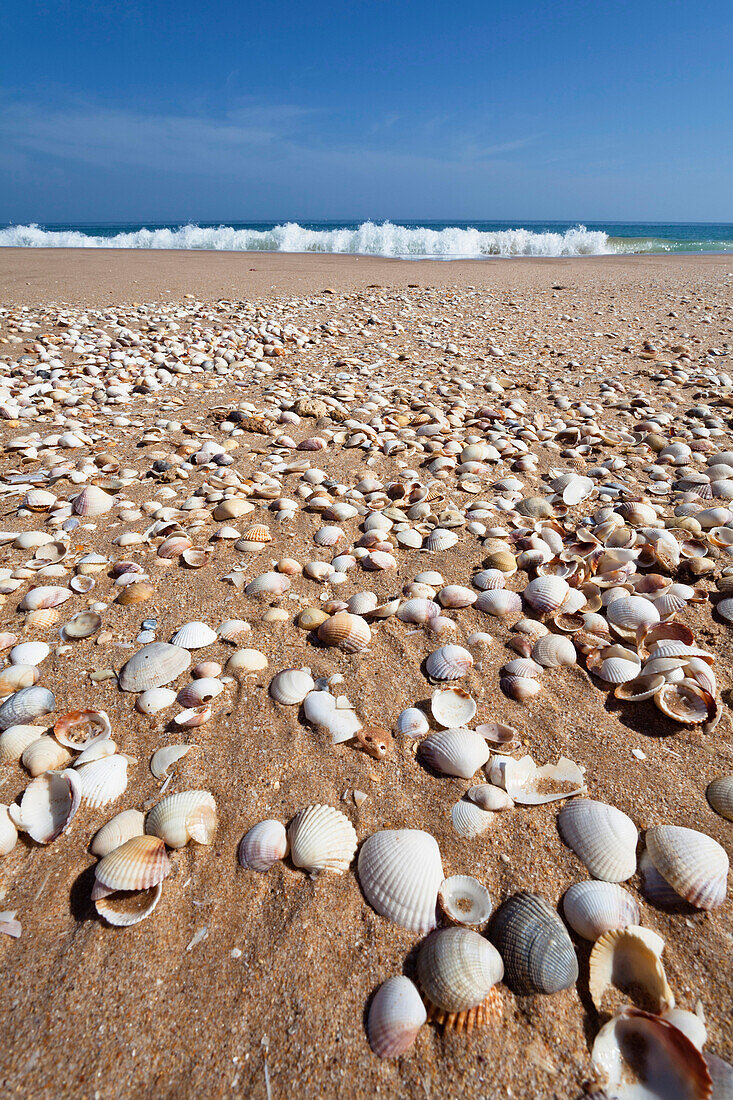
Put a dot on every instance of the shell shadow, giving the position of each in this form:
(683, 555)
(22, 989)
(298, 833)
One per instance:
(81, 906)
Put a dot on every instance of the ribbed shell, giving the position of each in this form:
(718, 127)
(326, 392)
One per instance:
(470, 820)
(25, 705)
(546, 594)
(601, 836)
(628, 958)
(396, 1014)
(102, 781)
(499, 602)
(693, 864)
(154, 666)
(418, 610)
(92, 501)
(195, 635)
(138, 864)
(592, 908)
(458, 752)
(456, 969)
(264, 844)
(187, 815)
(119, 829)
(349, 632)
(532, 940)
(44, 755)
(411, 722)
(464, 900)
(321, 839)
(400, 872)
(450, 662)
(554, 650)
(16, 739)
(49, 804)
(719, 794)
(291, 686)
(125, 909)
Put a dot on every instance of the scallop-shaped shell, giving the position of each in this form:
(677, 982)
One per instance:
(418, 610)
(592, 908)
(685, 702)
(349, 632)
(44, 755)
(29, 653)
(187, 815)
(617, 665)
(154, 666)
(8, 831)
(16, 739)
(155, 700)
(49, 804)
(118, 830)
(693, 864)
(400, 872)
(690, 1024)
(457, 969)
(628, 958)
(628, 613)
(546, 594)
(102, 781)
(264, 844)
(321, 839)
(455, 596)
(469, 819)
(532, 940)
(441, 538)
(464, 900)
(92, 501)
(136, 864)
(45, 596)
(452, 707)
(641, 1056)
(396, 1014)
(459, 752)
(291, 686)
(15, 677)
(81, 728)
(488, 579)
(554, 650)
(719, 794)
(268, 584)
(195, 635)
(25, 705)
(411, 722)
(164, 758)
(499, 602)
(602, 837)
(231, 629)
(450, 662)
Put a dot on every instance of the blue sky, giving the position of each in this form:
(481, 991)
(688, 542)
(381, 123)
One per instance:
(405, 109)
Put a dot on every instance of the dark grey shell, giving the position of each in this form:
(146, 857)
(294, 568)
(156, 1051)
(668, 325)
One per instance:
(537, 951)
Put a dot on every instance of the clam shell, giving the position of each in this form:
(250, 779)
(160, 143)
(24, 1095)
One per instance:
(457, 968)
(321, 839)
(268, 584)
(187, 815)
(455, 596)
(546, 594)
(92, 501)
(693, 864)
(195, 635)
(8, 831)
(537, 951)
(593, 908)
(400, 872)
(291, 686)
(410, 722)
(655, 888)
(137, 864)
(49, 804)
(81, 728)
(102, 781)
(719, 794)
(25, 705)
(125, 908)
(247, 660)
(457, 752)
(199, 691)
(16, 739)
(452, 707)
(155, 700)
(396, 1014)
(83, 625)
(164, 758)
(469, 819)
(349, 632)
(154, 666)
(418, 610)
(264, 844)
(464, 900)
(15, 677)
(29, 653)
(602, 837)
(628, 958)
(45, 596)
(685, 702)
(322, 710)
(489, 797)
(554, 650)
(117, 831)
(499, 602)
(44, 755)
(450, 662)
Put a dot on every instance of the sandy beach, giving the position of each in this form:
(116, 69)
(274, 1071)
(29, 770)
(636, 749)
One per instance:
(243, 984)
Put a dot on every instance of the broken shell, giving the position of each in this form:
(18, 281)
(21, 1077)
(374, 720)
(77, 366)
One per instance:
(592, 908)
(375, 740)
(8, 831)
(48, 805)
(349, 632)
(537, 951)
(464, 900)
(154, 666)
(118, 830)
(263, 846)
(457, 970)
(719, 794)
(291, 686)
(44, 755)
(452, 706)
(26, 704)
(457, 752)
(187, 815)
(395, 1016)
(102, 781)
(450, 662)
(694, 865)
(602, 837)
(81, 728)
(400, 872)
(323, 711)
(321, 839)
(529, 785)
(164, 758)
(628, 958)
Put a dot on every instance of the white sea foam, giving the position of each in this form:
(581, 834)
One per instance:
(368, 239)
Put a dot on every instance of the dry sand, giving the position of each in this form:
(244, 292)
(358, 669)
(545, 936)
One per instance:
(271, 1002)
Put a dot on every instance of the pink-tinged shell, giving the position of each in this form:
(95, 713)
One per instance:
(263, 846)
(92, 501)
(450, 662)
(349, 632)
(418, 610)
(49, 804)
(602, 837)
(45, 596)
(396, 1015)
(499, 602)
(458, 752)
(138, 864)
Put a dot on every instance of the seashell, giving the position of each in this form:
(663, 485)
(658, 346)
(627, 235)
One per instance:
(247, 660)
(685, 702)
(440, 539)
(311, 617)
(396, 1014)
(291, 686)
(520, 688)
(199, 691)
(29, 653)
(690, 1024)
(25, 705)
(593, 908)
(38, 500)
(529, 785)
(321, 839)
(323, 711)
(187, 815)
(455, 596)
(154, 666)
(206, 670)
(164, 758)
(536, 949)
(231, 629)
(138, 864)
(154, 700)
(83, 625)
(457, 970)
(546, 594)
(125, 908)
(8, 831)
(81, 728)
(44, 755)
(15, 740)
(488, 580)
(450, 662)
(499, 602)
(418, 610)
(721, 1074)
(719, 794)
(97, 751)
(264, 844)
(102, 781)
(522, 667)
(693, 864)
(464, 900)
(469, 819)
(616, 665)
(92, 501)
(452, 707)
(362, 603)
(268, 584)
(349, 632)
(137, 592)
(118, 830)
(410, 722)
(553, 651)
(195, 635)
(46, 596)
(627, 614)
(82, 583)
(641, 1056)
(400, 872)
(602, 837)
(643, 687)
(48, 805)
(375, 740)
(628, 958)
(489, 797)
(458, 752)
(503, 560)
(497, 733)
(15, 677)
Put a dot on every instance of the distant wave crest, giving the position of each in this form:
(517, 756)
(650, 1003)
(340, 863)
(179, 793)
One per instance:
(368, 239)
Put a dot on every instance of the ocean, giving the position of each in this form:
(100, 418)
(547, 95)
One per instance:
(410, 240)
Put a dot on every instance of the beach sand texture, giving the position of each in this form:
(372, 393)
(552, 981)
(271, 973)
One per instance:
(257, 985)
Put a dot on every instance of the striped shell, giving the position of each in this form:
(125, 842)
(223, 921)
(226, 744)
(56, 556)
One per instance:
(469, 819)
(396, 1014)
(102, 781)
(349, 632)
(187, 815)
(263, 846)
(291, 686)
(694, 865)
(400, 872)
(137, 864)
(592, 908)
(457, 752)
(118, 830)
(321, 839)
(602, 837)
(554, 650)
(719, 794)
(195, 635)
(537, 951)
(546, 594)
(450, 662)
(457, 968)
(154, 666)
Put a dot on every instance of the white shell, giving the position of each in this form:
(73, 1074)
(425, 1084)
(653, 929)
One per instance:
(546, 594)
(48, 805)
(264, 844)
(8, 831)
(629, 958)
(455, 752)
(452, 707)
(400, 872)
(44, 755)
(532, 786)
(694, 865)
(554, 650)
(92, 501)
(450, 662)
(291, 686)
(592, 908)
(322, 710)
(489, 797)
(464, 900)
(102, 781)
(29, 653)
(47, 595)
(602, 837)
(16, 739)
(25, 705)
(470, 820)
(247, 660)
(164, 758)
(396, 1014)
(418, 610)
(321, 839)
(410, 722)
(155, 700)
(154, 666)
(119, 829)
(499, 602)
(187, 815)
(195, 635)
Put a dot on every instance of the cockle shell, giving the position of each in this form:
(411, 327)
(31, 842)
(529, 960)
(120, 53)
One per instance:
(137, 864)
(29, 653)
(452, 706)
(322, 710)
(546, 594)
(187, 815)
(83, 625)
(457, 752)
(199, 691)
(92, 501)
(499, 602)
(692, 863)
(464, 900)
(118, 830)
(44, 755)
(418, 610)
(537, 951)
(268, 584)
(400, 872)
(154, 666)
(156, 699)
(410, 722)
(554, 650)
(264, 845)
(450, 662)
(8, 831)
(602, 837)
(102, 781)
(469, 819)
(593, 908)
(321, 839)
(488, 579)
(81, 728)
(396, 1014)
(123, 908)
(489, 797)
(349, 632)
(457, 969)
(48, 805)
(719, 794)
(685, 702)
(45, 596)
(291, 686)
(455, 596)
(164, 758)
(247, 660)
(629, 959)
(25, 705)
(15, 677)
(195, 635)
(16, 739)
